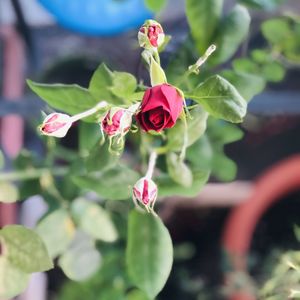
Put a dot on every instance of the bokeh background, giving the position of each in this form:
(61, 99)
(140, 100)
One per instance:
(64, 41)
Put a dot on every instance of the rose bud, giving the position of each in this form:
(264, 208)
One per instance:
(145, 193)
(117, 121)
(56, 124)
(151, 35)
(160, 108)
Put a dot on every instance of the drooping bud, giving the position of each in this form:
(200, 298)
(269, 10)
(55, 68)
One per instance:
(117, 121)
(151, 35)
(56, 124)
(145, 193)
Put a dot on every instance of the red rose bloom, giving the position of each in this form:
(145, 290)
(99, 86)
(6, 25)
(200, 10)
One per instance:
(160, 109)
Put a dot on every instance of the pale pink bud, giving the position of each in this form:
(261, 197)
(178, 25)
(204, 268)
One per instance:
(145, 193)
(117, 121)
(151, 35)
(56, 124)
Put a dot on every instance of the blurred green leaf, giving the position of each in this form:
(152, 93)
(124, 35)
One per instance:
(196, 126)
(8, 192)
(81, 260)
(149, 252)
(136, 295)
(203, 18)
(260, 56)
(25, 249)
(89, 135)
(247, 84)
(276, 31)
(231, 33)
(57, 231)
(273, 72)
(94, 220)
(220, 99)
(124, 84)
(178, 170)
(155, 5)
(12, 280)
(69, 98)
(100, 158)
(167, 187)
(245, 65)
(104, 183)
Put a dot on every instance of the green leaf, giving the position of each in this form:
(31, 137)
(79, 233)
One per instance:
(57, 231)
(178, 170)
(203, 17)
(223, 167)
(260, 56)
(155, 5)
(232, 32)
(196, 126)
(167, 187)
(149, 252)
(25, 249)
(69, 98)
(81, 260)
(113, 184)
(124, 85)
(245, 65)
(94, 220)
(220, 99)
(273, 72)
(101, 158)
(248, 85)
(100, 83)
(157, 74)
(12, 280)
(89, 135)
(276, 31)
(8, 192)
(136, 295)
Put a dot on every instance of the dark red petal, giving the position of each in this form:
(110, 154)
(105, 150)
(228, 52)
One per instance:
(157, 99)
(175, 101)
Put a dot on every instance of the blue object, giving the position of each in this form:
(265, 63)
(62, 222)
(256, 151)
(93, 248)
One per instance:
(98, 17)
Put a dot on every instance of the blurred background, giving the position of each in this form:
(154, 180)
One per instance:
(64, 41)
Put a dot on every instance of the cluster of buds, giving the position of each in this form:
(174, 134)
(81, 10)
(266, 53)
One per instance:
(151, 35)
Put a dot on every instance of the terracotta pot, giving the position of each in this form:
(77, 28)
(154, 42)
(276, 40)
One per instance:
(273, 185)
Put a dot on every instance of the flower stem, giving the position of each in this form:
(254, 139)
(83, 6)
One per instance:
(151, 165)
(89, 112)
(32, 174)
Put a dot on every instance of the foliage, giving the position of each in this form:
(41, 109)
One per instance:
(86, 188)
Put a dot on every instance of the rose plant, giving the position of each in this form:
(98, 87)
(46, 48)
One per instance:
(135, 140)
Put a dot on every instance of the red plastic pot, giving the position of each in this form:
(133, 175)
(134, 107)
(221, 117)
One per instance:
(273, 185)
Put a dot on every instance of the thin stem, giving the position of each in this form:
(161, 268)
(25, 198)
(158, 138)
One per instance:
(151, 165)
(185, 141)
(32, 174)
(89, 112)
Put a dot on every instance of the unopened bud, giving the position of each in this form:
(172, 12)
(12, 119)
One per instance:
(145, 193)
(151, 35)
(117, 121)
(56, 124)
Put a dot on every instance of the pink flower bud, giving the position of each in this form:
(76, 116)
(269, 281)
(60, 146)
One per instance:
(151, 35)
(145, 193)
(117, 121)
(56, 124)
